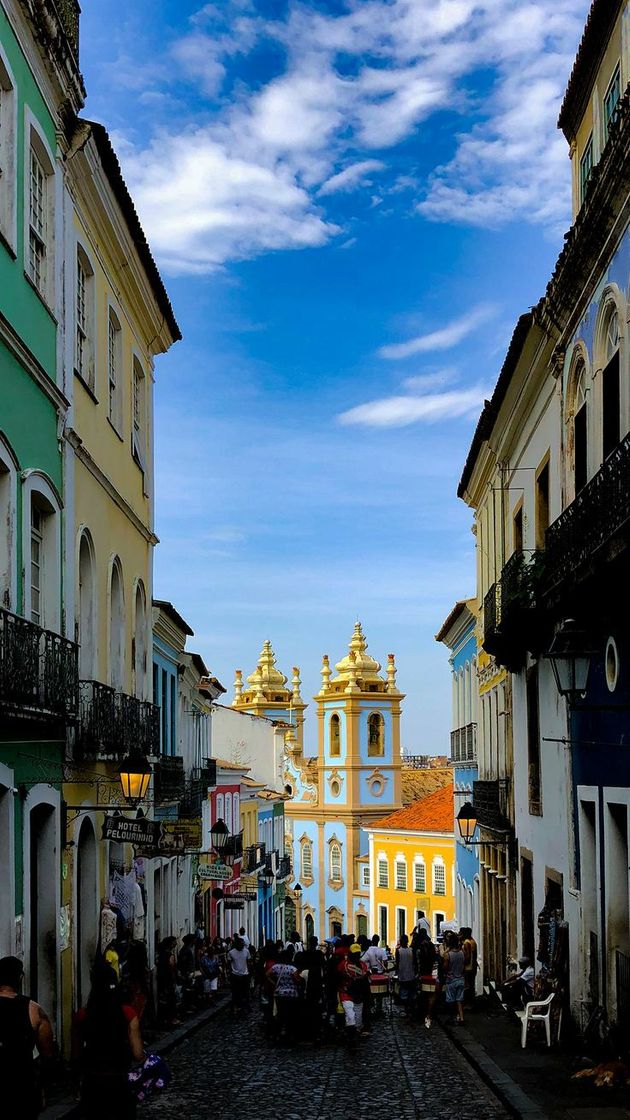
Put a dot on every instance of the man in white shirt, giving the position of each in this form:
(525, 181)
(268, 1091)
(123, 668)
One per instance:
(375, 957)
(238, 959)
(422, 923)
(244, 938)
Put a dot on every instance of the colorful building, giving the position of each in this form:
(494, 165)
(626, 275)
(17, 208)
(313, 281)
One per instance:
(40, 87)
(353, 780)
(458, 635)
(412, 867)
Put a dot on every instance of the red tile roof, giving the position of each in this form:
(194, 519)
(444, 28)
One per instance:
(431, 814)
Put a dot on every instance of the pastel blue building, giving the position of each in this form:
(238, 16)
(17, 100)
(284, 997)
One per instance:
(458, 634)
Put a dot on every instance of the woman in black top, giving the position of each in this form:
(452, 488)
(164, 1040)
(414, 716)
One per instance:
(106, 1041)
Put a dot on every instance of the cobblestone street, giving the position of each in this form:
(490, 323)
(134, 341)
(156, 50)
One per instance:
(402, 1072)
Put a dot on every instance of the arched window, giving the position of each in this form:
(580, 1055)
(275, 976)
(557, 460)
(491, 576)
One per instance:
(236, 812)
(419, 876)
(611, 419)
(41, 547)
(140, 642)
(580, 425)
(8, 542)
(86, 608)
(335, 736)
(306, 869)
(401, 873)
(138, 428)
(8, 132)
(376, 734)
(221, 810)
(84, 320)
(228, 811)
(39, 230)
(309, 927)
(335, 862)
(116, 627)
(114, 370)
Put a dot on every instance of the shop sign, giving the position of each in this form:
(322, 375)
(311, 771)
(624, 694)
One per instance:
(215, 871)
(133, 830)
(245, 896)
(183, 835)
(232, 903)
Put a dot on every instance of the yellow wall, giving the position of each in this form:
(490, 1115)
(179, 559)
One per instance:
(249, 822)
(428, 846)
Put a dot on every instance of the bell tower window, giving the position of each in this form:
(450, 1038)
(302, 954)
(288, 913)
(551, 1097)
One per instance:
(335, 736)
(376, 734)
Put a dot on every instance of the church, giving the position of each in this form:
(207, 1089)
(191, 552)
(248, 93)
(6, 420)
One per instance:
(354, 779)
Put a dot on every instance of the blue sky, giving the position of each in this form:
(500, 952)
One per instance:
(351, 203)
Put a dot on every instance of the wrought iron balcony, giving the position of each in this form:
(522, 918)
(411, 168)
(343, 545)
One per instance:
(511, 609)
(196, 788)
(113, 724)
(593, 528)
(464, 744)
(39, 670)
(284, 869)
(234, 847)
(491, 801)
(169, 778)
(253, 859)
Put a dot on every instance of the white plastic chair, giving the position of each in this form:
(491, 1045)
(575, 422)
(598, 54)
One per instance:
(537, 1011)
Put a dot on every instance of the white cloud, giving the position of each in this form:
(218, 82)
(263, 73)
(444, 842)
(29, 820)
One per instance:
(203, 205)
(423, 381)
(357, 174)
(353, 84)
(444, 338)
(398, 412)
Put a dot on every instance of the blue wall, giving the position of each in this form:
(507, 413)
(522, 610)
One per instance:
(165, 661)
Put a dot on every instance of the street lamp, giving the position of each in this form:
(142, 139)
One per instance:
(297, 894)
(268, 875)
(135, 775)
(570, 655)
(467, 822)
(297, 890)
(219, 836)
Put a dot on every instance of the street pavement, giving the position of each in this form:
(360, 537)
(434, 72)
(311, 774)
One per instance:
(402, 1072)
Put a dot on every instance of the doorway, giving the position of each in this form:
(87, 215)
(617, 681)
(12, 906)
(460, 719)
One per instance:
(527, 907)
(86, 908)
(43, 903)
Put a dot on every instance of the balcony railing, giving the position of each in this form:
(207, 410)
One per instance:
(113, 724)
(464, 743)
(196, 788)
(39, 672)
(234, 846)
(598, 514)
(491, 801)
(510, 609)
(284, 869)
(169, 778)
(253, 859)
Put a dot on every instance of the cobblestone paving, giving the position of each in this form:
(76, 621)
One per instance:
(402, 1072)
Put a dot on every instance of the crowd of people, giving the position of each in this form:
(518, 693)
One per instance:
(308, 991)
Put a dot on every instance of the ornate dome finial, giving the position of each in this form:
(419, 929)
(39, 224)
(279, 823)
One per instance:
(326, 673)
(296, 682)
(391, 673)
(238, 686)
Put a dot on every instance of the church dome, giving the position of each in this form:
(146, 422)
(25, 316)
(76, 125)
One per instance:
(357, 663)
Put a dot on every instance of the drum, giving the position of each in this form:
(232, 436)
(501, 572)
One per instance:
(379, 984)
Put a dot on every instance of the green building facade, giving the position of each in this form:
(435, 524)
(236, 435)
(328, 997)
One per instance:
(39, 86)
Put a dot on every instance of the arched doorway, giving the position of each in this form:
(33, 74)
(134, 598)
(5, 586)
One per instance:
(86, 612)
(309, 927)
(86, 908)
(362, 926)
(43, 903)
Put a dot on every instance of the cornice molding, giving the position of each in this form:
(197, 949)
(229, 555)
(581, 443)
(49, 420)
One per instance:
(84, 457)
(28, 361)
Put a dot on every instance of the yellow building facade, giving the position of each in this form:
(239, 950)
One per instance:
(118, 318)
(412, 867)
